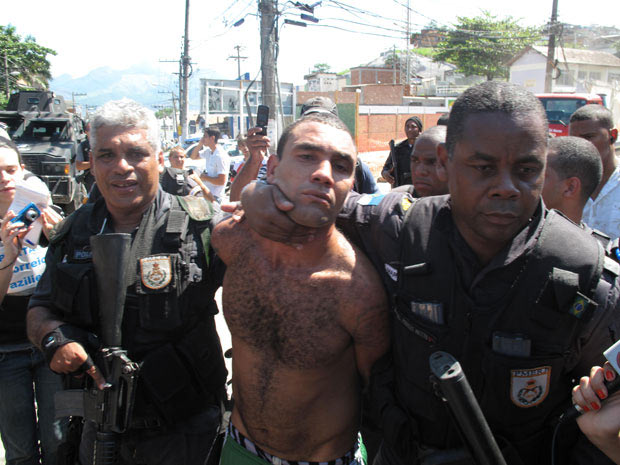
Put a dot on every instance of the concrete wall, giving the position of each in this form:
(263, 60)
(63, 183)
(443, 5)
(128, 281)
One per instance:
(375, 130)
(381, 119)
(382, 94)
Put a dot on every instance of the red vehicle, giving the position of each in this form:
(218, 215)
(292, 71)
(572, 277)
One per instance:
(559, 107)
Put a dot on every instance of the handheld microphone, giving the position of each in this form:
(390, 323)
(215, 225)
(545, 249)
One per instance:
(613, 357)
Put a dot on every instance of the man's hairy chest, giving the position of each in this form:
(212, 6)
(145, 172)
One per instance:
(291, 317)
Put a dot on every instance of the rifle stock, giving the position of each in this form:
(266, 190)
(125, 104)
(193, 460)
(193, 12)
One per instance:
(394, 164)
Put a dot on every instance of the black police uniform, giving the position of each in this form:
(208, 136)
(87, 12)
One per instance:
(168, 325)
(175, 181)
(402, 153)
(524, 327)
(85, 150)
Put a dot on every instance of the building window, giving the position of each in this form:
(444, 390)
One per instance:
(611, 77)
(595, 75)
(582, 75)
(565, 79)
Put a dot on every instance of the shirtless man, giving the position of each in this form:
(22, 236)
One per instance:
(307, 324)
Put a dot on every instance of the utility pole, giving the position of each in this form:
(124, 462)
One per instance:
(551, 47)
(268, 38)
(408, 79)
(184, 77)
(238, 58)
(76, 94)
(6, 75)
(174, 108)
(394, 64)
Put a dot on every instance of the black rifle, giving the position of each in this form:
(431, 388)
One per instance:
(111, 407)
(394, 164)
(472, 425)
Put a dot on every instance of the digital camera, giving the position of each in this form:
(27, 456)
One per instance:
(27, 215)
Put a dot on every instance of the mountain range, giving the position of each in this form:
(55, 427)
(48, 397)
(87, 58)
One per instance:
(145, 83)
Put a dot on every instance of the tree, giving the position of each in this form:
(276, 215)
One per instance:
(392, 60)
(160, 114)
(482, 45)
(321, 68)
(27, 63)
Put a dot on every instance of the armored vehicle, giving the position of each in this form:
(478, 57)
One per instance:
(47, 136)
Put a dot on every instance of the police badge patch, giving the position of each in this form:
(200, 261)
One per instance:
(155, 272)
(529, 387)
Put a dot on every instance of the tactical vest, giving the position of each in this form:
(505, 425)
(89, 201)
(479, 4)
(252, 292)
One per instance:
(168, 329)
(174, 181)
(548, 303)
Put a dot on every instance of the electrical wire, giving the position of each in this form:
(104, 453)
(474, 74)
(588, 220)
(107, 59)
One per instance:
(356, 32)
(362, 24)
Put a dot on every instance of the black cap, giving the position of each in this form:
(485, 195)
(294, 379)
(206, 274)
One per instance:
(416, 120)
(319, 105)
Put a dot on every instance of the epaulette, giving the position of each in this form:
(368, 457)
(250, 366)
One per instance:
(603, 238)
(370, 199)
(197, 208)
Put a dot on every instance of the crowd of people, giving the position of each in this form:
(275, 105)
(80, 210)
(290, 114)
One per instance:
(496, 244)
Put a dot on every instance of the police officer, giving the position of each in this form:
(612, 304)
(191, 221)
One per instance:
(522, 297)
(82, 159)
(401, 174)
(168, 325)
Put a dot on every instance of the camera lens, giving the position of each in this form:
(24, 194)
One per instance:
(31, 215)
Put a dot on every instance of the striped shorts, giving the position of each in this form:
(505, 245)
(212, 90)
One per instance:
(239, 450)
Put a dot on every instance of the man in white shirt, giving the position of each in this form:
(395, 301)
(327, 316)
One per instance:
(217, 162)
(595, 124)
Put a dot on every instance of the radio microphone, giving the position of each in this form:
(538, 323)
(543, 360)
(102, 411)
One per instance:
(613, 357)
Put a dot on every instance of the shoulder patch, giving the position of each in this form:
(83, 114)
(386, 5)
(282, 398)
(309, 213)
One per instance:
(197, 208)
(370, 199)
(405, 203)
(529, 387)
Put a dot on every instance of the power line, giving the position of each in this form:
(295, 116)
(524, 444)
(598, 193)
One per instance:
(361, 24)
(356, 32)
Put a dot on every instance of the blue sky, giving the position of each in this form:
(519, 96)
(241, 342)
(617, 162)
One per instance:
(88, 34)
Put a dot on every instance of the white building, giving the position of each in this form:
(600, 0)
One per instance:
(577, 70)
(321, 82)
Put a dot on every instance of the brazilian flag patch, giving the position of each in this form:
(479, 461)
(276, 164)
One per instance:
(579, 306)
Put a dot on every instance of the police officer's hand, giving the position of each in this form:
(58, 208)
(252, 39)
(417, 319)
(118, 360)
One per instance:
(265, 208)
(387, 175)
(50, 218)
(258, 144)
(72, 358)
(600, 423)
